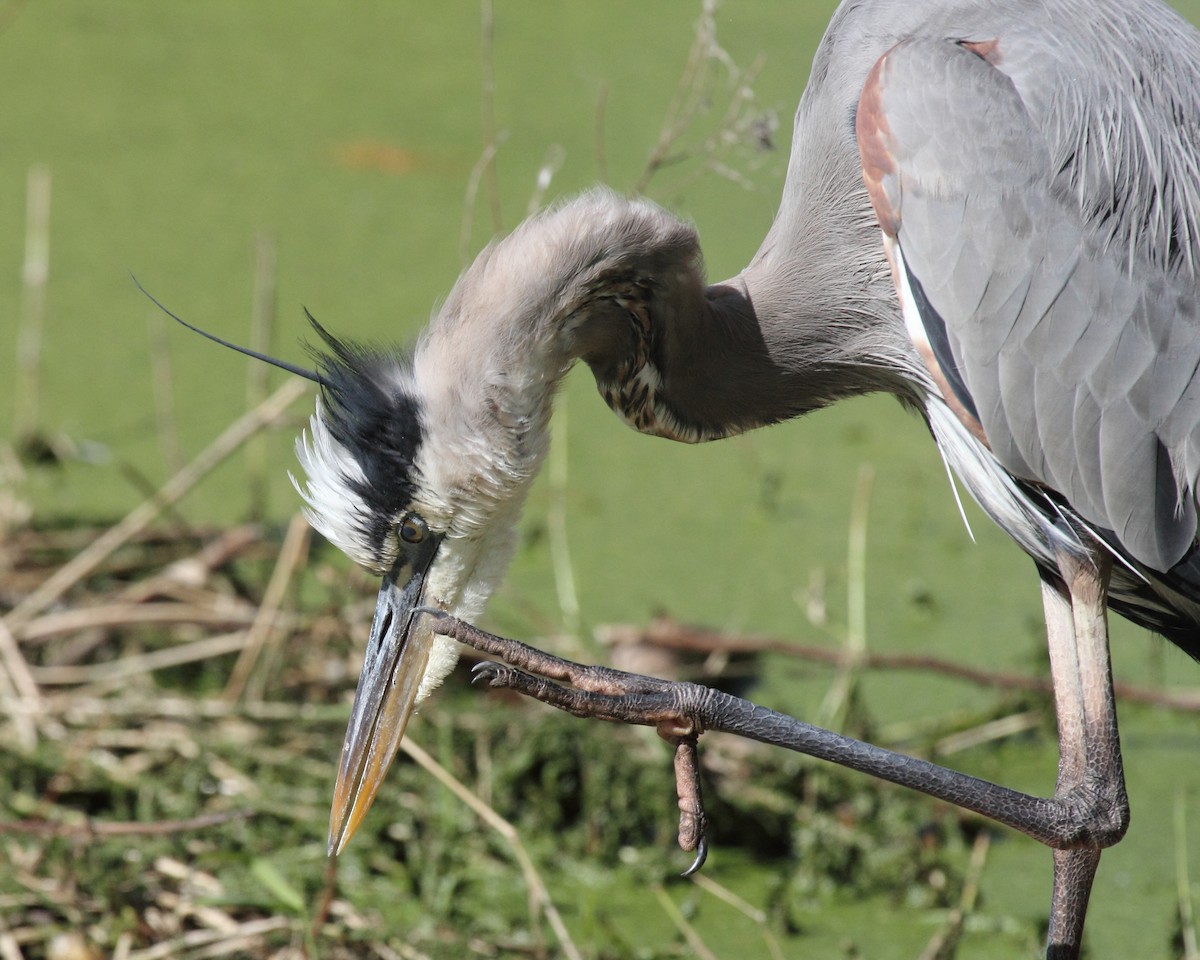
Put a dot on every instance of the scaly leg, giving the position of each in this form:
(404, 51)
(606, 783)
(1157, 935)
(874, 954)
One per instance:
(1087, 813)
(1090, 773)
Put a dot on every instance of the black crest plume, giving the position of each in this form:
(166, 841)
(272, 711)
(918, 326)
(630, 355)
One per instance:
(265, 358)
(371, 409)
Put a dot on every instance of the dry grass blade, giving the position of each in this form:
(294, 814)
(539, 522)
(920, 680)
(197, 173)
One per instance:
(226, 613)
(539, 894)
(999, 729)
(171, 492)
(833, 709)
(1183, 883)
(17, 678)
(259, 639)
(697, 945)
(118, 671)
(193, 571)
(215, 942)
(758, 917)
(944, 944)
(487, 57)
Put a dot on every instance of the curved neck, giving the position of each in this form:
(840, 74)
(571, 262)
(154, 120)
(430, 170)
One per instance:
(620, 285)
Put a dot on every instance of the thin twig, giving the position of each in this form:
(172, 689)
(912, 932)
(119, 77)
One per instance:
(195, 570)
(137, 519)
(674, 636)
(698, 946)
(944, 944)
(469, 196)
(748, 910)
(17, 669)
(999, 729)
(83, 709)
(9, 948)
(537, 888)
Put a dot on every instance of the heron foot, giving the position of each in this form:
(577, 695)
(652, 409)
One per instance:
(606, 694)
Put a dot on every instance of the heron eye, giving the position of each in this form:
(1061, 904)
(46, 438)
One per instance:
(412, 529)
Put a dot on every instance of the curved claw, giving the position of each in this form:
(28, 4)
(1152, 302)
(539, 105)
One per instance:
(486, 670)
(701, 856)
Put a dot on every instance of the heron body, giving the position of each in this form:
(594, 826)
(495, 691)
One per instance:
(992, 212)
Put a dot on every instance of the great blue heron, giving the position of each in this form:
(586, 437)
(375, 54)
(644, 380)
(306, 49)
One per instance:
(992, 212)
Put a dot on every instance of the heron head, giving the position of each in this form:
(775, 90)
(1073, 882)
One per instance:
(394, 480)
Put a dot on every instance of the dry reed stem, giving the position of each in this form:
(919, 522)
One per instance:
(675, 915)
(262, 317)
(539, 895)
(104, 675)
(747, 909)
(486, 156)
(247, 933)
(195, 570)
(999, 729)
(556, 522)
(263, 639)
(836, 703)
(35, 276)
(140, 517)
(17, 679)
(944, 944)
(227, 612)
(1183, 884)
(487, 59)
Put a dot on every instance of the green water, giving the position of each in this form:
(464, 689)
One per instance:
(177, 133)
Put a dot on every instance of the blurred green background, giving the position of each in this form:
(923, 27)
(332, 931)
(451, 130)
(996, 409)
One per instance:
(178, 134)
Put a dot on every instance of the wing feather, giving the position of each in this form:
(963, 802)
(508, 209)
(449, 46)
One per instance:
(1080, 351)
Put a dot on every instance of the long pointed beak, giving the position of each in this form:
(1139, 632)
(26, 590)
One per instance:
(397, 654)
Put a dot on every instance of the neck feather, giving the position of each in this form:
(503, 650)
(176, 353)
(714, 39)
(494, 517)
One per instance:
(620, 284)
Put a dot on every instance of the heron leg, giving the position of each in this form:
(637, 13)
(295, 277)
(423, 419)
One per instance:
(1091, 779)
(1088, 811)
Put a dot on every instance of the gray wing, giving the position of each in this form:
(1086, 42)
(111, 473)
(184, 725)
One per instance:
(1059, 300)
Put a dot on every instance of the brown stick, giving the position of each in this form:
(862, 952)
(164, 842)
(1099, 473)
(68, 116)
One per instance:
(669, 635)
